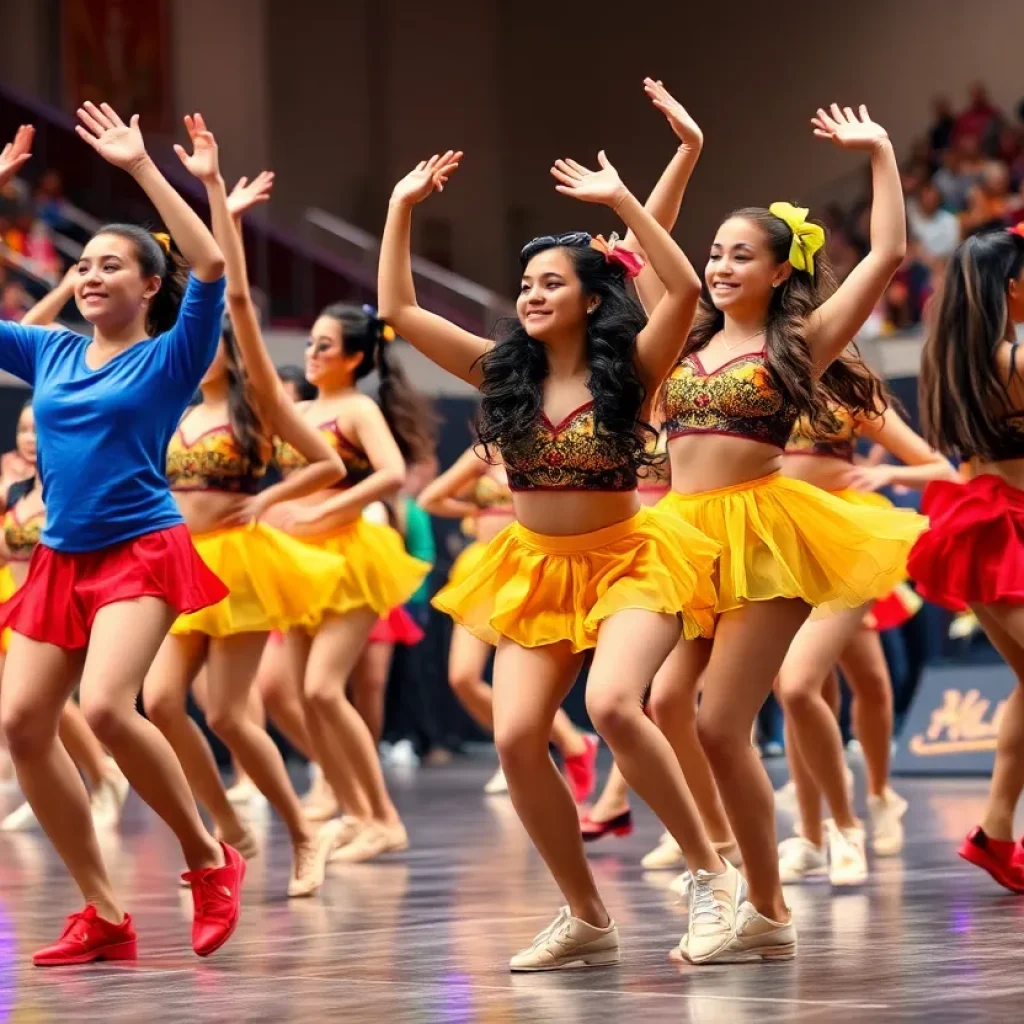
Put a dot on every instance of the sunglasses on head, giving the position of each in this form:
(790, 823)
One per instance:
(573, 239)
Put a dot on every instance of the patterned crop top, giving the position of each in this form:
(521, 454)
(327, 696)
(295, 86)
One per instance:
(491, 496)
(357, 466)
(839, 443)
(739, 399)
(568, 456)
(22, 536)
(212, 462)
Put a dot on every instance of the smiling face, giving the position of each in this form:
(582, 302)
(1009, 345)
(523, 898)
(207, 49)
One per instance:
(551, 302)
(25, 437)
(742, 270)
(111, 290)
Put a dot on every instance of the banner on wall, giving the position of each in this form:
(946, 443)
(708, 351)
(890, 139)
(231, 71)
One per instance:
(953, 722)
(118, 52)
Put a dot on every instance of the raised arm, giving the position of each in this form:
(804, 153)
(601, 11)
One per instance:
(441, 496)
(658, 344)
(441, 341)
(666, 198)
(834, 325)
(123, 146)
(920, 463)
(45, 312)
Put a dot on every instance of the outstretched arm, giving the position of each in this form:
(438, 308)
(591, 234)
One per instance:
(921, 463)
(441, 496)
(122, 145)
(658, 344)
(441, 341)
(840, 317)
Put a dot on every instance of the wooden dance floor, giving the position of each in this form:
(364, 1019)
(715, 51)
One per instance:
(425, 937)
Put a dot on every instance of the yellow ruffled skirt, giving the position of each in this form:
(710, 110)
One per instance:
(379, 573)
(785, 538)
(7, 589)
(537, 589)
(275, 581)
(468, 559)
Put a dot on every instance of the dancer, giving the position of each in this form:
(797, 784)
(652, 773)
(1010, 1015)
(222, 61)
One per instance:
(215, 461)
(584, 566)
(115, 565)
(477, 492)
(374, 441)
(22, 527)
(768, 327)
(823, 457)
(971, 391)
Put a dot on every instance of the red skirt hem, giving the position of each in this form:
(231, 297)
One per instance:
(65, 590)
(973, 550)
(397, 627)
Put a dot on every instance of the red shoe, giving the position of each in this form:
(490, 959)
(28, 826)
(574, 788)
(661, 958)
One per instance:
(581, 770)
(620, 825)
(1003, 861)
(217, 896)
(87, 937)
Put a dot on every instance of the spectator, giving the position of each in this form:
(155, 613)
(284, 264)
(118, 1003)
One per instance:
(961, 168)
(981, 120)
(991, 204)
(44, 260)
(15, 302)
(940, 134)
(49, 201)
(937, 231)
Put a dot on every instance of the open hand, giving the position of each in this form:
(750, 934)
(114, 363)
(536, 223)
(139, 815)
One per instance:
(847, 129)
(17, 153)
(118, 143)
(603, 186)
(204, 161)
(870, 478)
(687, 130)
(428, 176)
(247, 194)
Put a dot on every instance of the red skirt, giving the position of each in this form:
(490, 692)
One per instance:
(973, 549)
(397, 627)
(65, 590)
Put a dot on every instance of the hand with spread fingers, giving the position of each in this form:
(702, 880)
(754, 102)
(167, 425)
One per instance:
(427, 177)
(847, 129)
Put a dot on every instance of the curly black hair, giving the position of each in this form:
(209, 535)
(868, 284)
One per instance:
(515, 368)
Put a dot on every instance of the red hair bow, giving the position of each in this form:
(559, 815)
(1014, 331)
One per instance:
(632, 263)
(1017, 229)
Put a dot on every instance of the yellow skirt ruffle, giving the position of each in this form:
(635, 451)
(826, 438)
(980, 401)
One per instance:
(275, 581)
(785, 538)
(468, 559)
(7, 589)
(537, 589)
(379, 572)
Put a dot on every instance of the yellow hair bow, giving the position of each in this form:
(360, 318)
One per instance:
(387, 332)
(163, 240)
(807, 238)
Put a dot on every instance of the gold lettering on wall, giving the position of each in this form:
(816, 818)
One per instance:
(960, 725)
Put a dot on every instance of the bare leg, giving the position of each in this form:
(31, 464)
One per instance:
(1004, 625)
(631, 646)
(864, 666)
(814, 652)
(164, 696)
(369, 685)
(673, 706)
(529, 686)
(614, 798)
(111, 680)
(808, 792)
(38, 681)
(81, 744)
(749, 646)
(280, 688)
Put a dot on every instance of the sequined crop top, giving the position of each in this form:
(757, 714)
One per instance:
(739, 399)
(210, 462)
(357, 466)
(22, 536)
(568, 456)
(491, 496)
(839, 443)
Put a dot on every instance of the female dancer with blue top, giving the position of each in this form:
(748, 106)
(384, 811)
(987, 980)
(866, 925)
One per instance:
(116, 565)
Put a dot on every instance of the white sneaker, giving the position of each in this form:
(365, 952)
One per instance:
(569, 942)
(497, 783)
(21, 819)
(887, 823)
(242, 792)
(759, 938)
(847, 855)
(713, 903)
(730, 852)
(665, 855)
(682, 884)
(104, 805)
(799, 858)
(785, 798)
(403, 755)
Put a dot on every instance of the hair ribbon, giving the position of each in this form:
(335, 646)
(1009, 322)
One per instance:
(1017, 229)
(163, 240)
(631, 262)
(386, 331)
(808, 238)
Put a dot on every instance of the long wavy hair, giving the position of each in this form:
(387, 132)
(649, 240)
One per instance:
(247, 422)
(847, 380)
(408, 413)
(962, 395)
(514, 370)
